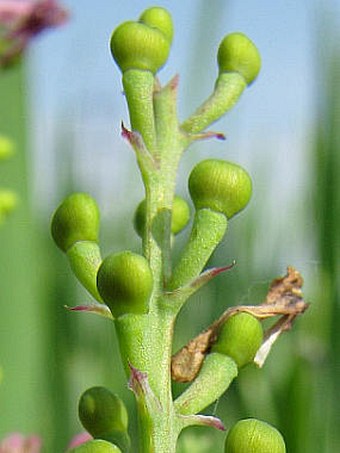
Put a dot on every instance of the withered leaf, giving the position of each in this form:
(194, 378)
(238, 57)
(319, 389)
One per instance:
(284, 299)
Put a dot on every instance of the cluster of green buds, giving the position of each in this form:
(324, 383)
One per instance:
(144, 292)
(8, 198)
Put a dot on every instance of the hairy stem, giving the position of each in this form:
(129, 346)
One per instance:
(207, 232)
(229, 87)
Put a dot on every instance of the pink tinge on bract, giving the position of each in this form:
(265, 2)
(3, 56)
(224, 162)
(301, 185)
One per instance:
(18, 443)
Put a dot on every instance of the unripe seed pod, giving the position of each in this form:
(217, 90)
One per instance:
(157, 17)
(136, 45)
(237, 53)
(179, 220)
(240, 337)
(125, 283)
(220, 186)
(254, 436)
(96, 446)
(76, 219)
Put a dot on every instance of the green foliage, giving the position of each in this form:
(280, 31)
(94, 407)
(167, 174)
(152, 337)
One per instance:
(6, 147)
(8, 201)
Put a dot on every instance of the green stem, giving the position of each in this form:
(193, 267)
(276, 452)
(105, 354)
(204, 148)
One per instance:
(138, 87)
(146, 341)
(215, 376)
(160, 184)
(85, 259)
(159, 431)
(146, 344)
(229, 87)
(132, 335)
(207, 232)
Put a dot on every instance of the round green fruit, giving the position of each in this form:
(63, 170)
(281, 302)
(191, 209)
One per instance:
(135, 45)
(254, 436)
(240, 337)
(76, 219)
(101, 412)
(237, 53)
(157, 17)
(220, 186)
(179, 219)
(125, 283)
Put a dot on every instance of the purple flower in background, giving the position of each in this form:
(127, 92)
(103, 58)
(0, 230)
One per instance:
(78, 439)
(22, 20)
(17, 443)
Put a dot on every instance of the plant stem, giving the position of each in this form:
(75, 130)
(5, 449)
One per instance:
(146, 343)
(146, 340)
(139, 87)
(207, 232)
(229, 87)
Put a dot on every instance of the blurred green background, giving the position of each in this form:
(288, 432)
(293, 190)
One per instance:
(63, 107)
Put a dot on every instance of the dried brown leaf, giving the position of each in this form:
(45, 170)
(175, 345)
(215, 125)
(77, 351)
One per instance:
(284, 299)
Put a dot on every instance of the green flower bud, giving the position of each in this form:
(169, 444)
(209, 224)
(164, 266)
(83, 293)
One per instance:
(240, 337)
(254, 436)
(96, 446)
(6, 147)
(76, 219)
(237, 53)
(143, 45)
(125, 283)
(220, 186)
(157, 17)
(104, 415)
(179, 220)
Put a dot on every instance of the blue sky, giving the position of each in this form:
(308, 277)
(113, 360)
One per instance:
(75, 61)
